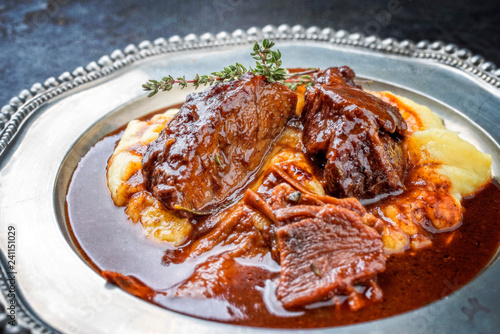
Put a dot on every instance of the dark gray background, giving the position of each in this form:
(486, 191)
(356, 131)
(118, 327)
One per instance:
(43, 38)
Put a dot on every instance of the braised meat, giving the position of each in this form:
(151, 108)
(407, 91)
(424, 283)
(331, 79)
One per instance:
(212, 148)
(355, 135)
(328, 248)
(324, 253)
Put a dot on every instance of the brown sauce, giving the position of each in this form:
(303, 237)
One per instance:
(111, 242)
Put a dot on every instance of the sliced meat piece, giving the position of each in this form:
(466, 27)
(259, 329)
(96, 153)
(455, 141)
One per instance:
(212, 148)
(355, 135)
(298, 204)
(326, 254)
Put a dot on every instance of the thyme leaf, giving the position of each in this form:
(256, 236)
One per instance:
(315, 270)
(217, 160)
(295, 196)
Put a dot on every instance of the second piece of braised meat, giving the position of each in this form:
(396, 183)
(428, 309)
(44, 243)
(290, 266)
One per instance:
(355, 134)
(328, 248)
(212, 148)
(327, 251)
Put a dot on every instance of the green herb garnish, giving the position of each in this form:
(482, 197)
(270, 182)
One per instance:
(217, 160)
(268, 63)
(315, 270)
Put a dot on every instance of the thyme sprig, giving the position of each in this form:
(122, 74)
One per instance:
(268, 63)
(231, 72)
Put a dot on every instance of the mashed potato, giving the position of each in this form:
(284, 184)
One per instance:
(126, 184)
(443, 169)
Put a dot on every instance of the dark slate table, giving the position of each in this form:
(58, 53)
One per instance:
(43, 38)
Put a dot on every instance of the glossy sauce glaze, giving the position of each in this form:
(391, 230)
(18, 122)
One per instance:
(236, 122)
(246, 294)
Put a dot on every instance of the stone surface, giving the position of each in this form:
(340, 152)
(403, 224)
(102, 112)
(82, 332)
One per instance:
(44, 38)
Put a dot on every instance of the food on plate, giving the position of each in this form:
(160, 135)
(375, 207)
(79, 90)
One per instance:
(308, 182)
(125, 182)
(356, 135)
(217, 141)
(443, 169)
(324, 249)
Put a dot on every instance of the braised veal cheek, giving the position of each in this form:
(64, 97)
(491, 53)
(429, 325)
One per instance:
(212, 148)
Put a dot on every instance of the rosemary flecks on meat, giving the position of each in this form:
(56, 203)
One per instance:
(315, 270)
(268, 63)
(217, 160)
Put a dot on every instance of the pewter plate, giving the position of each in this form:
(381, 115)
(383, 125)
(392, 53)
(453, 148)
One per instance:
(52, 125)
